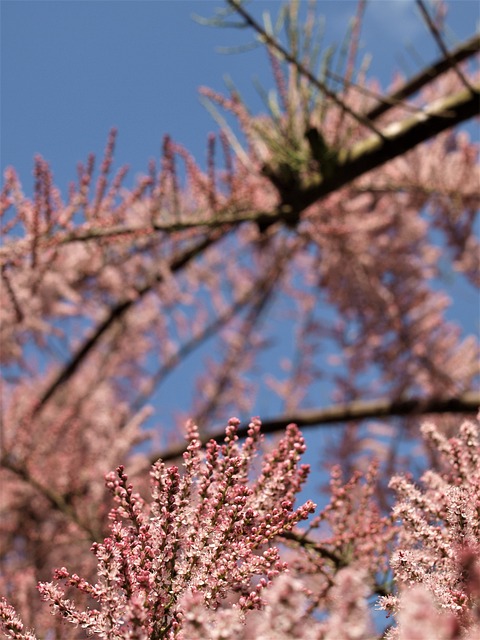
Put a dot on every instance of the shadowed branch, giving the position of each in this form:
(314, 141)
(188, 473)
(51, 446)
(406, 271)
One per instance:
(467, 403)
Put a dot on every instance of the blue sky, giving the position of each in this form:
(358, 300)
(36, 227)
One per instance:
(71, 69)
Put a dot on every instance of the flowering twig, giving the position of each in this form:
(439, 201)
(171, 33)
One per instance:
(205, 534)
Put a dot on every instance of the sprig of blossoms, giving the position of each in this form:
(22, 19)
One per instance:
(196, 561)
(438, 552)
(11, 624)
(202, 544)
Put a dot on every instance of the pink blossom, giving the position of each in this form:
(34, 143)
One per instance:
(199, 543)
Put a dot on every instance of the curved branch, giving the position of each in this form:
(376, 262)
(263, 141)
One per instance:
(118, 311)
(467, 403)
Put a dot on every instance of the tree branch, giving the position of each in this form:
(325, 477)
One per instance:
(399, 138)
(439, 40)
(359, 410)
(118, 311)
(464, 51)
(365, 155)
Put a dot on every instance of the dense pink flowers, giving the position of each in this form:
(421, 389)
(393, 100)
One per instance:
(197, 561)
(438, 549)
(197, 545)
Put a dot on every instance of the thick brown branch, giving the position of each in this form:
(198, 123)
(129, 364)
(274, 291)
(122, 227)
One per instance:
(464, 51)
(399, 138)
(358, 410)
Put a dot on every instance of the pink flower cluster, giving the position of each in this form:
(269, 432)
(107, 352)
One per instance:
(197, 562)
(203, 543)
(437, 560)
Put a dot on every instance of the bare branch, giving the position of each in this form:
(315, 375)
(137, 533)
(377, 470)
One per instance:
(468, 403)
(464, 51)
(441, 45)
(118, 311)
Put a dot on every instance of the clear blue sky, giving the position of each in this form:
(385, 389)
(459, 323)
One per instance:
(70, 70)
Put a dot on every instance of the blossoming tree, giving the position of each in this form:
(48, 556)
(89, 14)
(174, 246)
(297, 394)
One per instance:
(333, 208)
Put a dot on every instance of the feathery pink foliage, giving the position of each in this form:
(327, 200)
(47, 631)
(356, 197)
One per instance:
(438, 548)
(197, 561)
(199, 543)
(106, 291)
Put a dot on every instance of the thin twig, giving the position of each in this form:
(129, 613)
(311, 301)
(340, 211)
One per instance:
(352, 54)
(288, 57)
(441, 45)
